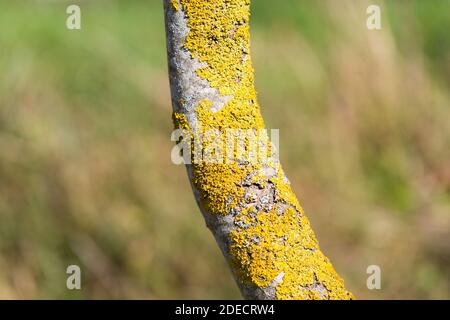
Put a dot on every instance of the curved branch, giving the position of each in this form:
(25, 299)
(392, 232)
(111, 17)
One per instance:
(249, 206)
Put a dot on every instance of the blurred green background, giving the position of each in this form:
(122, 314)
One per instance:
(85, 170)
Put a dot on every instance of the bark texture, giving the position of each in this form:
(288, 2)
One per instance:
(249, 207)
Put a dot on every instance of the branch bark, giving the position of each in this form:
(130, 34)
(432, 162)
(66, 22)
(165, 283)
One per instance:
(249, 207)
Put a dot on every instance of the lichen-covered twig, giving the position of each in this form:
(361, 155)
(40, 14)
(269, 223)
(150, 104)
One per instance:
(249, 207)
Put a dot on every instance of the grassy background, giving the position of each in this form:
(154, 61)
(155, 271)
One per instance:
(85, 170)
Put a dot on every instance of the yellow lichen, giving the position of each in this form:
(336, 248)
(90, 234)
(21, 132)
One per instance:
(266, 243)
(180, 121)
(175, 5)
(219, 185)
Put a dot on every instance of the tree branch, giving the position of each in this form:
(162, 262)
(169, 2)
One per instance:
(249, 206)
